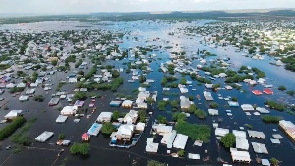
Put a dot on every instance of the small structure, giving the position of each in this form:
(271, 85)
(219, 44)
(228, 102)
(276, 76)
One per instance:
(208, 96)
(131, 117)
(262, 110)
(30, 91)
(185, 103)
(268, 91)
(140, 126)
(94, 129)
(256, 134)
(85, 137)
(247, 107)
(242, 143)
(115, 103)
(61, 119)
(288, 127)
(161, 129)
(13, 114)
(44, 136)
(221, 132)
(257, 92)
(23, 98)
(213, 112)
(240, 156)
(240, 134)
(53, 101)
(194, 156)
(265, 162)
(151, 146)
(233, 103)
(259, 148)
(79, 103)
(168, 139)
(127, 104)
(180, 141)
(125, 132)
(69, 110)
(104, 117)
(275, 141)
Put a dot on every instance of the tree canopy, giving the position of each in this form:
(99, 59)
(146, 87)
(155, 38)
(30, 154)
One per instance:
(228, 140)
(80, 148)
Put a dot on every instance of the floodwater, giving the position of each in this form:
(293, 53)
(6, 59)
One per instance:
(102, 154)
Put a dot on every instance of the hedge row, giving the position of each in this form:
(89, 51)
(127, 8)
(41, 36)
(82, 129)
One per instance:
(12, 127)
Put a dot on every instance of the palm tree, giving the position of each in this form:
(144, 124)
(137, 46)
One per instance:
(150, 101)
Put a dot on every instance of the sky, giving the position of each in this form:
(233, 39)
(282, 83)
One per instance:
(92, 6)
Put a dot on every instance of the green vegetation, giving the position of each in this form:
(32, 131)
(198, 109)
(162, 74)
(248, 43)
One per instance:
(259, 73)
(234, 98)
(282, 88)
(155, 163)
(4, 66)
(270, 119)
(178, 116)
(275, 105)
(39, 98)
(142, 116)
(54, 62)
(181, 153)
(80, 96)
(107, 128)
(291, 92)
(213, 105)
(249, 126)
(60, 84)
(183, 81)
(274, 161)
(162, 105)
(80, 148)
(61, 136)
(162, 119)
(201, 114)
(174, 104)
(142, 79)
(12, 127)
(290, 112)
(228, 140)
(194, 131)
(71, 58)
(22, 138)
(116, 115)
(115, 73)
(16, 89)
(78, 63)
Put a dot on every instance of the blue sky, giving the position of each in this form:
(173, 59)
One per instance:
(87, 6)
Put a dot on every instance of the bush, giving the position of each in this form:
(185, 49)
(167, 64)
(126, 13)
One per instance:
(178, 116)
(228, 140)
(162, 105)
(16, 89)
(174, 103)
(107, 128)
(12, 127)
(39, 98)
(155, 163)
(162, 119)
(181, 153)
(61, 136)
(142, 115)
(282, 88)
(271, 119)
(194, 131)
(213, 105)
(274, 161)
(80, 148)
(201, 114)
(275, 105)
(116, 115)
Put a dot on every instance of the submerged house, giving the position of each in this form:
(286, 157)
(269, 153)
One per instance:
(125, 132)
(69, 110)
(185, 103)
(131, 117)
(104, 117)
(13, 114)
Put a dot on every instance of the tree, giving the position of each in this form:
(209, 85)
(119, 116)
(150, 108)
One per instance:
(115, 73)
(54, 62)
(142, 115)
(181, 153)
(174, 103)
(142, 78)
(162, 119)
(183, 81)
(155, 163)
(80, 148)
(150, 100)
(107, 128)
(61, 136)
(274, 161)
(200, 113)
(228, 140)
(213, 105)
(116, 115)
(282, 88)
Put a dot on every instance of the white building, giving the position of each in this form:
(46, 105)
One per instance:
(104, 117)
(69, 110)
(180, 141)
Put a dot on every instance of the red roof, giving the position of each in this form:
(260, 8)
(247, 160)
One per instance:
(268, 91)
(257, 92)
(85, 136)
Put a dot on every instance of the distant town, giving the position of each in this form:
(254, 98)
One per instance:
(203, 91)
